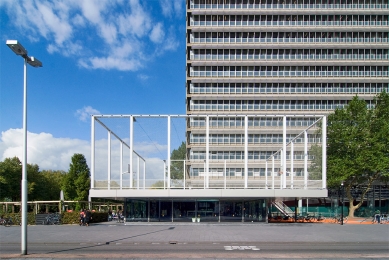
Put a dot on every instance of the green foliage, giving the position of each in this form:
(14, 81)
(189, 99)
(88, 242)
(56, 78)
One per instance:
(42, 185)
(76, 182)
(358, 146)
(156, 185)
(177, 168)
(70, 217)
(74, 217)
(16, 219)
(10, 179)
(315, 168)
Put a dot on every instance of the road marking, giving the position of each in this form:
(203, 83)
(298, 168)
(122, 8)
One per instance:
(241, 248)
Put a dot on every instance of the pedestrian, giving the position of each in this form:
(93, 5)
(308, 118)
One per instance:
(378, 216)
(82, 217)
(88, 217)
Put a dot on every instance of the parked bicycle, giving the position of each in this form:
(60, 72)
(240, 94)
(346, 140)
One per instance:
(7, 222)
(52, 219)
(338, 219)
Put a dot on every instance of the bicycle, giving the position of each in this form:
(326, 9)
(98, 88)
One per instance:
(52, 219)
(338, 219)
(7, 222)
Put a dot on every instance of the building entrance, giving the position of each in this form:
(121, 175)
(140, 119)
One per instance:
(204, 210)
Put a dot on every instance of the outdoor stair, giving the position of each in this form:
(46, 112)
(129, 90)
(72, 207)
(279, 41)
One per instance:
(284, 209)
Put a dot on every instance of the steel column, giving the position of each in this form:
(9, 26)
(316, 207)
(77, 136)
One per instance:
(284, 150)
(266, 184)
(109, 160)
(291, 164)
(92, 141)
(131, 148)
(305, 160)
(121, 165)
(24, 167)
(168, 152)
(207, 152)
(324, 153)
(246, 154)
(272, 173)
(138, 174)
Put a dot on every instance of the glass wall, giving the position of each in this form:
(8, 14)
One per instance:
(204, 210)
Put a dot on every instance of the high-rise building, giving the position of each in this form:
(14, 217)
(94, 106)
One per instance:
(260, 75)
(273, 57)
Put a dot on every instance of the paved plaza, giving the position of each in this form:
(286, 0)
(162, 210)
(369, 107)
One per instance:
(200, 240)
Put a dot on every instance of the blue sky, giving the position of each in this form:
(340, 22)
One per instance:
(99, 57)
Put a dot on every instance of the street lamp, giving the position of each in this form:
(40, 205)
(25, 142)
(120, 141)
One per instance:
(18, 49)
(342, 201)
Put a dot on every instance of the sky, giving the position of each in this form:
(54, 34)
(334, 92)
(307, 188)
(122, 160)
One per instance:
(99, 57)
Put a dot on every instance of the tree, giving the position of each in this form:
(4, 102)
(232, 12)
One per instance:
(315, 167)
(177, 167)
(52, 184)
(76, 182)
(358, 147)
(10, 179)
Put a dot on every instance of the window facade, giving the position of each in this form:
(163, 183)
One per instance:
(269, 57)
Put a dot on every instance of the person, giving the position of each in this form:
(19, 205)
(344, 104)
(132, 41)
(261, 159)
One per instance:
(378, 216)
(88, 217)
(82, 217)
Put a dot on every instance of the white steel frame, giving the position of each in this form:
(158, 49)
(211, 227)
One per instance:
(282, 151)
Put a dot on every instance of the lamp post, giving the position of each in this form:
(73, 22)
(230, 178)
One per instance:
(342, 202)
(18, 49)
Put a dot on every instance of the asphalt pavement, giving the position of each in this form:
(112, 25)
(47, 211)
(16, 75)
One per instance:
(111, 240)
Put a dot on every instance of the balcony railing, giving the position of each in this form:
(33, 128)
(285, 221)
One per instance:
(316, 7)
(289, 23)
(288, 40)
(325, 57)
(289, 73)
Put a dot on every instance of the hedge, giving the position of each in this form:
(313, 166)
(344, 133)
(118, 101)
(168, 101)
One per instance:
(66, 217)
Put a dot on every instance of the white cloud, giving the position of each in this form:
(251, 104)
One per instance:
(143, 77)
(84, 113)
(51, 153)
(110, 63)
(121, 35)
(42, 149)
(167, 7)
(157, 34)
(171, 7)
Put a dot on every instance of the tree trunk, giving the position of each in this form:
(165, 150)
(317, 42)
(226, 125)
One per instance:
(351, 207)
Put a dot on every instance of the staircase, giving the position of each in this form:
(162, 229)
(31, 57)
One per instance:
(283, 208)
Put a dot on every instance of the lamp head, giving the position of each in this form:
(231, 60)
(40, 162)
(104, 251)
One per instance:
(34, 62)
(16, 47)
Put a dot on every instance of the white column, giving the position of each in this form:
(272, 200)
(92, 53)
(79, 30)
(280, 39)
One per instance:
(184, 174)
(164, 174)
(305, 159)
(131, 148)
(281, 168)
(284, 157)
(24, 182)
(207, 152)
(205, 177)
(144, 174)
(121, 165)
(109, 160)
(138, 173)
(246, 153)
(272, 174)
(324, 153)
(291, 164)
(225, 174)
(92, 141)
(168, 152)
(266, 184)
